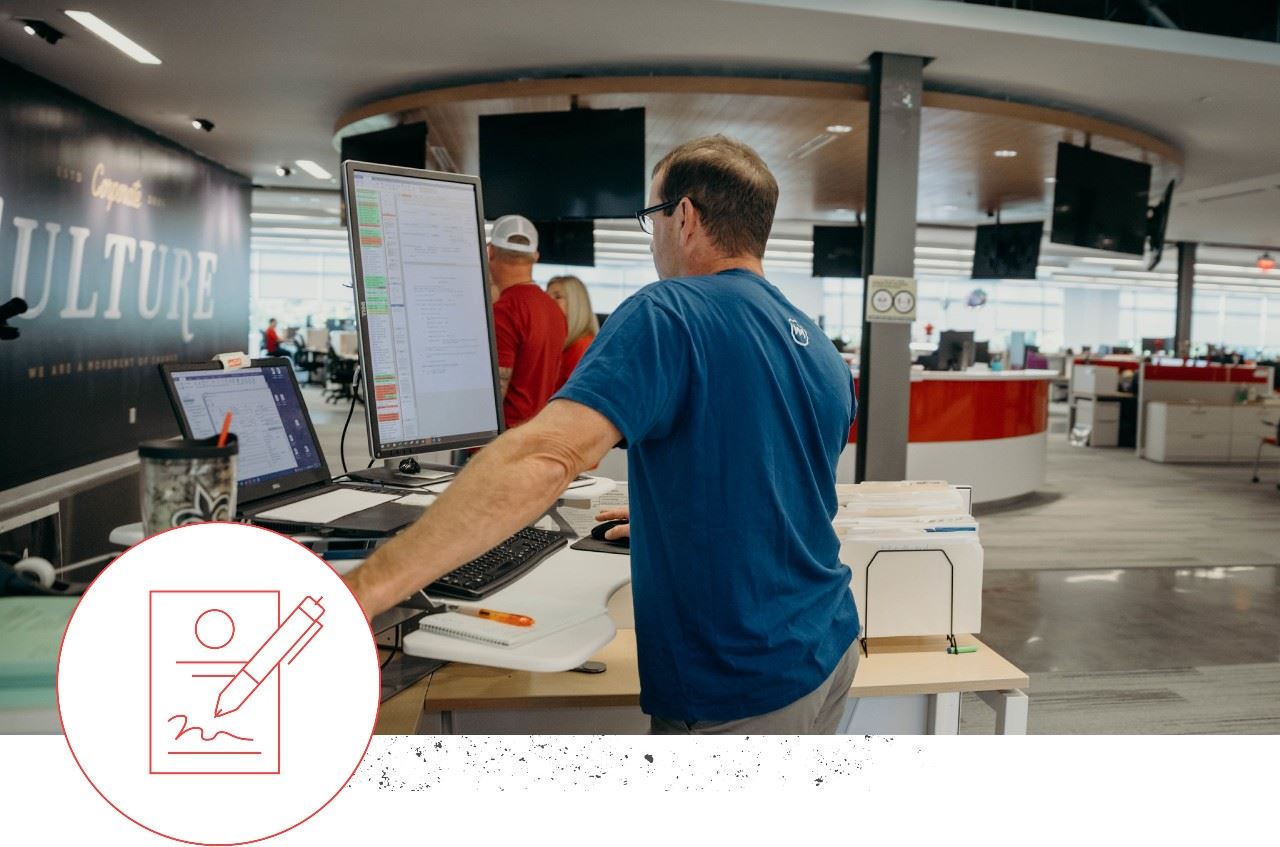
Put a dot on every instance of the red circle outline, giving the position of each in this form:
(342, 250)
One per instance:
(58, 693)
(196, 628)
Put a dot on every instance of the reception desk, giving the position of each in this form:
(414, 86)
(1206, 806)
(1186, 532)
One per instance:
(988, 429)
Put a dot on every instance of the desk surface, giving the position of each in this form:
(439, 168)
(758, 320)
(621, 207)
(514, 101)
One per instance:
(896, 667)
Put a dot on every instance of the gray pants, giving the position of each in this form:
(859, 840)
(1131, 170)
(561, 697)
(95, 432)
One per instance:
(816, 713)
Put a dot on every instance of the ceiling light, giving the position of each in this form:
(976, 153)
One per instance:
(313, 169)
(202, 123)
(1266, 262)
(1005, 154)
(40, 29)
(1051, 179)
(114, 37)
(840, 129)
(283, 170)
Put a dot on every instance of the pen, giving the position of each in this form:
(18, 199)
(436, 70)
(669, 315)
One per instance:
(496, 617)
(966, 649)
(303, 623)
(226, 427)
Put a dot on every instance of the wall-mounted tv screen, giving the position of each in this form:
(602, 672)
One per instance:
(405, 146)
(566, 242)
(1007, 251)
(574, 165)
(837, 251)
(1100, 200)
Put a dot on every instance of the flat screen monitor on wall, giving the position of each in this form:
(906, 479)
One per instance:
(1007, 251)
(405, 146)
(566, 243)
(837, 251)
(574, 165)
(1100, 201)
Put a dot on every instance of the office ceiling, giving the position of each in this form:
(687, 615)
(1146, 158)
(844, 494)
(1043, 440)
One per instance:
(275, 76)
(822, 173)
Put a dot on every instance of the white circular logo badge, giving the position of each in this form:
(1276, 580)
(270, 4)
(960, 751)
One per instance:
(799, 334)
(881, 300)
(218, 684)
(904, 302)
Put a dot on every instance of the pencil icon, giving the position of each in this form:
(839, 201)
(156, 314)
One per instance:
(297, 631)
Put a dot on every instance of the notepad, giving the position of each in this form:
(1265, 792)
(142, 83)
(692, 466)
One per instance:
(549, 617)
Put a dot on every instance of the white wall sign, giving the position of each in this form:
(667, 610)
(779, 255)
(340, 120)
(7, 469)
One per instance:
(891, 299)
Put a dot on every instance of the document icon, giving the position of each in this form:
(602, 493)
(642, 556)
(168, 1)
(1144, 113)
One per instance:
(200, 641)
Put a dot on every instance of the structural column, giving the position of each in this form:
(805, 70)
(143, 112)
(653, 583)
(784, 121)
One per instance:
(1186, 284)
(893, 166)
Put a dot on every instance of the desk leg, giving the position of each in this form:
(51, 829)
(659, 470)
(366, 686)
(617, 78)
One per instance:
(1011, 710)
(944, 713)
(446, 723)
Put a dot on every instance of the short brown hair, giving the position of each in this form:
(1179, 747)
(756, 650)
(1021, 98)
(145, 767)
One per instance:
(731, 187)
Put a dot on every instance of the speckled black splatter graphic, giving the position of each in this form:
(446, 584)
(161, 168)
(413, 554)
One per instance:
(501, 763)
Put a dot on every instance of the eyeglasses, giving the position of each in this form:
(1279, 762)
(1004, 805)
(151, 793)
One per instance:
(644, 216)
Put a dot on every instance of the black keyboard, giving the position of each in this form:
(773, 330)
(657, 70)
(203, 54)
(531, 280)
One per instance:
(501, 566)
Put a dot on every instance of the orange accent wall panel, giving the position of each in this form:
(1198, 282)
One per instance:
(976, 410)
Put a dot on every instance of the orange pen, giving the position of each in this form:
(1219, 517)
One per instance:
(496, 617)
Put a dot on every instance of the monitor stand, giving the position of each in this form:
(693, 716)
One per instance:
(408, 473)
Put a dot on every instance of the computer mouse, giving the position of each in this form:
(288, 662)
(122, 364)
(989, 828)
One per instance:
(598, 531)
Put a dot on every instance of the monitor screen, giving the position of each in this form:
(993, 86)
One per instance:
(575, 165)
(404, 145)
(267, 416)
(837, 251)
(1007, 251)
(1100, 201)
(422, 302)
(566, 243)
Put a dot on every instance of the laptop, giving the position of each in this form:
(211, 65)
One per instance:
(283, 481)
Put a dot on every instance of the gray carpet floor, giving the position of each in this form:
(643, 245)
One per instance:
(1236, 699)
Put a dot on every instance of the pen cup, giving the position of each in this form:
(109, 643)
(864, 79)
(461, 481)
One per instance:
(187, 481)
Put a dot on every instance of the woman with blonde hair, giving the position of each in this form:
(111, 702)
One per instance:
(571, 294)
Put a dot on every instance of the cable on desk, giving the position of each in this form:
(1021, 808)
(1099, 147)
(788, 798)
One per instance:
(342, 442)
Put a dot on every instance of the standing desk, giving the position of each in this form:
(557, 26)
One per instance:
(905, 685)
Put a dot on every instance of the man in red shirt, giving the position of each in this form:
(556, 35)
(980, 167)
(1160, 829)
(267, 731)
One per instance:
(530, 329)
(271, 339)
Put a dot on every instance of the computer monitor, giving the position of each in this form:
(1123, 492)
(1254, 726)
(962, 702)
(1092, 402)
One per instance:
(427, 347)
(955, 350)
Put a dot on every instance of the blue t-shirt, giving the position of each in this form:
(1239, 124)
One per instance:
(735, 408)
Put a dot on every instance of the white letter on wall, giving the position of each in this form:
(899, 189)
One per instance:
(145, 308)
(207, 267)
(120, 245)
(181, 290)
(78, 236)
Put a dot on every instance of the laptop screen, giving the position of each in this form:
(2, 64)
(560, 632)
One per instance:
(267, 416)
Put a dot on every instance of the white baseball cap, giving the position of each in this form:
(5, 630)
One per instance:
(510, 225)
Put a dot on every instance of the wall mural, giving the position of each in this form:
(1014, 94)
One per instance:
(129, 251)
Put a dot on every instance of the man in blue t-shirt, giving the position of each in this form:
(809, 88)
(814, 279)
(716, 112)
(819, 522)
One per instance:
(734, 408)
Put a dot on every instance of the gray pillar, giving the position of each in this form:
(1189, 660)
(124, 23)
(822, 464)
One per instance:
(1186, 284)
(893, 165)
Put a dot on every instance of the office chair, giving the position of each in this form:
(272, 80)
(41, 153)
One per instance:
(1263, 441)
(340, 373)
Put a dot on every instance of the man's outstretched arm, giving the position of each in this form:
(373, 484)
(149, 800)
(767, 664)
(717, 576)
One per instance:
(507, 485)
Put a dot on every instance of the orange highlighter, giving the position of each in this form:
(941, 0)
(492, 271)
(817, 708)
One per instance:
(489, 614)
